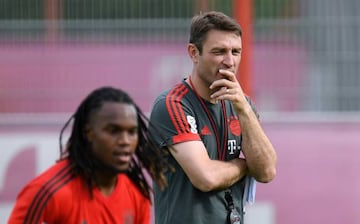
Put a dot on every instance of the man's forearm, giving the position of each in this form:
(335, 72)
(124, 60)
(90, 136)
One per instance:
(257, 148)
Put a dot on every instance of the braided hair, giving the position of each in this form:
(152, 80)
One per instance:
(147, 156)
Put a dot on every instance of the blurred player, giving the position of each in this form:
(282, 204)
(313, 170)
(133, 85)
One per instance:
(100, 175)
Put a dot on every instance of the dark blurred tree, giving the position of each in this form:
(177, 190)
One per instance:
(111, 9)
(21, 9)
(119, 9)
(274, 8)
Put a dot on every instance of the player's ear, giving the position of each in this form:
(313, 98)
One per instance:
(87, 133)
(193, 52)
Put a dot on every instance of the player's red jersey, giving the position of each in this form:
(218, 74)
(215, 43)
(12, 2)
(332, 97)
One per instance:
(57, 196)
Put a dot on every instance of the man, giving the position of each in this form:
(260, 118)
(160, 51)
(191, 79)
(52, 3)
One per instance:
(207, 120)
(99, 177)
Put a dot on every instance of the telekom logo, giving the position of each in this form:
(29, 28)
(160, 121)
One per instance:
(232, 146)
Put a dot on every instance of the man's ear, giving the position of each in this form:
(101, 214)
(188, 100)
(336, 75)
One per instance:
(193, 52)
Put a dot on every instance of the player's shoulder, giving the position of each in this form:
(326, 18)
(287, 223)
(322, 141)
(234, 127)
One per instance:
(59, 169)
(59, 173)
(174, 93)
(48, 182)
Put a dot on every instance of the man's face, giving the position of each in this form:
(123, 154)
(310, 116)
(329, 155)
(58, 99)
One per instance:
(113, 134)
(221, 50)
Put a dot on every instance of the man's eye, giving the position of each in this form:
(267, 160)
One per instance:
(218, 52)
(113, 130)
(236, 53)
(133, 131)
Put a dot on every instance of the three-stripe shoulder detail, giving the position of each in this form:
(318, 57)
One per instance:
(47, 190)
(175, 109)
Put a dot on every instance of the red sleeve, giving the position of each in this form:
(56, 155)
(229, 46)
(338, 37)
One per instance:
(21, 210)
(36, 198)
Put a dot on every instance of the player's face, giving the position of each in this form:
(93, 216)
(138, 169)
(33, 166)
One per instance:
(113, 134)
(221, 50)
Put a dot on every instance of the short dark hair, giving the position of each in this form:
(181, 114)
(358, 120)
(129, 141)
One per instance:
(202, 23)
(77, 150)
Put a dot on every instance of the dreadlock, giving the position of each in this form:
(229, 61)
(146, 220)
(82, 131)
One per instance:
(147, 158)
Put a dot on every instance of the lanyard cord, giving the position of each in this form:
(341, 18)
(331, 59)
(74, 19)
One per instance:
(221, 150)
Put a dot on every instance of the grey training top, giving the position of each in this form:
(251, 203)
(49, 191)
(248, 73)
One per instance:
(178, 115)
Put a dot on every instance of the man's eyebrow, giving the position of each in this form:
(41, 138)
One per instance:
(224, 49)
(218, 48)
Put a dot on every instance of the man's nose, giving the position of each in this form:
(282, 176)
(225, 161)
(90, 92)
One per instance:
(123, 138)
(229, 60)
